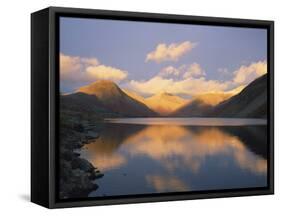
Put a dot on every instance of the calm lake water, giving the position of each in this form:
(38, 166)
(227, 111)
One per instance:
(152, 155)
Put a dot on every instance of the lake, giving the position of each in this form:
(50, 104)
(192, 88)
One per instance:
(153, 155)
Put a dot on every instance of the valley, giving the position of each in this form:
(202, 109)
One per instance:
(105, 99)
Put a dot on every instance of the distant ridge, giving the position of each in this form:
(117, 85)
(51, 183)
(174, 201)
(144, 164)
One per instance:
(105, 97)
(165, 103)
(110, 97)
(201, 104)
(251, 102)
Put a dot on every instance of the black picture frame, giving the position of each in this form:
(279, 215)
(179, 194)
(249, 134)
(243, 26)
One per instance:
(45, 105)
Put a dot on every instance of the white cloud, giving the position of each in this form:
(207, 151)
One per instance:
(194, 80)
(185, 79)
(106, 72)
(193, 86)
(90, 61)
(190, 86)
(172, 52)
(75, 68)
(169, 71)
(72, 68)
(194, 70)
(68, 66)
(152, 86)
(246, 74)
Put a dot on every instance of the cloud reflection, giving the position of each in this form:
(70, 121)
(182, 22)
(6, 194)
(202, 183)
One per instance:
(174, 148)
(166, 183)
(179, 147)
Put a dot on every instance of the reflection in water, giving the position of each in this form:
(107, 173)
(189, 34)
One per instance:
(188, 121)
(179, 147)
(138, 159)
(108, 162)
(166, 183)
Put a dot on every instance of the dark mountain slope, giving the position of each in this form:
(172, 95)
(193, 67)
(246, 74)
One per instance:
(83, 103)
(196, 108)
(114, 99)
(251, 102)
(201, 104)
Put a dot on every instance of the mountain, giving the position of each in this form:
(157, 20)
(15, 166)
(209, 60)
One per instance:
(201, 104)
(111, 97)
(134, 95)
(106, 98)
(213, 99)
(162, 103)
(83, 103)
(165, 103)
(248, 102)
(251, 102)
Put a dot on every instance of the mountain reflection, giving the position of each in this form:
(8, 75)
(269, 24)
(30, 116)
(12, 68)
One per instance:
(170, 150)
(190, 147)
(166, 183)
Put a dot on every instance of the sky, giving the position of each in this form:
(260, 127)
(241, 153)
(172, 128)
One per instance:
(150, 58)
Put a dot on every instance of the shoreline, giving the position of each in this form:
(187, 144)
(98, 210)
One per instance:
(188, 121)
(77, 175)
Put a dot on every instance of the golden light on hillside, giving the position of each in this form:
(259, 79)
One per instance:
(162, 103)
(165, 103)
(213, 98)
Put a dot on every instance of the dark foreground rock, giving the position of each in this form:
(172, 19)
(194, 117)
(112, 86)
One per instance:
(77, 175)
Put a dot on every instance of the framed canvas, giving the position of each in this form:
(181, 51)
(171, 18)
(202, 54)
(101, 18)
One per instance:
(139, 107)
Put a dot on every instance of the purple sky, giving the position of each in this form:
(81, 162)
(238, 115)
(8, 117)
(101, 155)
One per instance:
(124, 45)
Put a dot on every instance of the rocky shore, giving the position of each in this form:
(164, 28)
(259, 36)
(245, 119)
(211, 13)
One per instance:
(77, 175)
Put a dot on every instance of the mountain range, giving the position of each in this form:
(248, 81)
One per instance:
(162, 103)
(201, 104)
(250, 102)
(106, 98)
